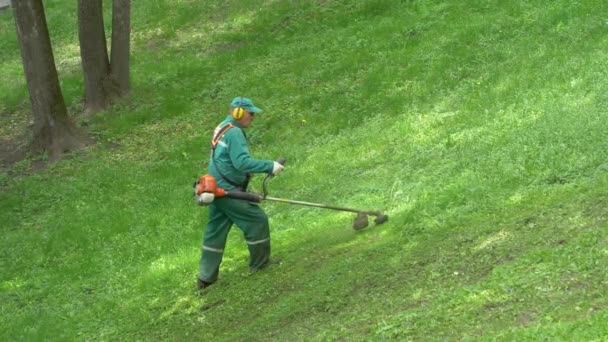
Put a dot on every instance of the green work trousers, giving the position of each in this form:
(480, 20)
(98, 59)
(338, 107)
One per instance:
(250, 218)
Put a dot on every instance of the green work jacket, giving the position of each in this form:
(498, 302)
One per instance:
(233, 159)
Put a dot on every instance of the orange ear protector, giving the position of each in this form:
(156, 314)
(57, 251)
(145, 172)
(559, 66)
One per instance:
(239, 112)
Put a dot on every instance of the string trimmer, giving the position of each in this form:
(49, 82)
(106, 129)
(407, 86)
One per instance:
(207, 190)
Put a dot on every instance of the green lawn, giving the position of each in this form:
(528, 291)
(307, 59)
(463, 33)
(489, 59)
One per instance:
(479, 128)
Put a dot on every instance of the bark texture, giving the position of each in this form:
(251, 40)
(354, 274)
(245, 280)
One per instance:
(121, 45)
(94, 54)
(105, 79)
(53, 131)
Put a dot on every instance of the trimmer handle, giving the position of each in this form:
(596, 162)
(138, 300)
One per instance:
(281, 161)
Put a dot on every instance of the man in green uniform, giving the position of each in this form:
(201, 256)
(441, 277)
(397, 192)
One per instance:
(231, 165)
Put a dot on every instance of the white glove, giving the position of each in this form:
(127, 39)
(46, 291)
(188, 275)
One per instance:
(205, 198)
(276, 168)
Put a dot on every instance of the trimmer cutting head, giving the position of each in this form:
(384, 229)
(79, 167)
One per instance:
(361, 221)
(380, 219)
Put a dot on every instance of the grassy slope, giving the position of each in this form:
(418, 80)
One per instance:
(480, 129)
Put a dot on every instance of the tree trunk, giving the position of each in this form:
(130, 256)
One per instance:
(53, 131)
(94, 54)
(121, 45)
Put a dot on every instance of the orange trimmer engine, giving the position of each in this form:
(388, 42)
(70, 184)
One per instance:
(206, 191)
(207, 184)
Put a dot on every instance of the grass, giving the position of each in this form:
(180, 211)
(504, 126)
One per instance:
(478, 128)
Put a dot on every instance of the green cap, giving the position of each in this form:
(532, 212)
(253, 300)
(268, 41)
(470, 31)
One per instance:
(245, 103)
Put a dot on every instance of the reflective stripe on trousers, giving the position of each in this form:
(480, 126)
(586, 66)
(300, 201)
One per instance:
(258, 241)
(211, 249)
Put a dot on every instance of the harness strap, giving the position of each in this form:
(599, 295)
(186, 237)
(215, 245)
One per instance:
(220, 134)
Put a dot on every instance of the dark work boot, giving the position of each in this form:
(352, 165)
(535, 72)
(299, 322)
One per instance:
(201, 284)
(272, 261)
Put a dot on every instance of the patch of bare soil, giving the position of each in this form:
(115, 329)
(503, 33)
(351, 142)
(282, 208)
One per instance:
(15, 147)
(16, 142)
(14, 137)
(11, 152)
